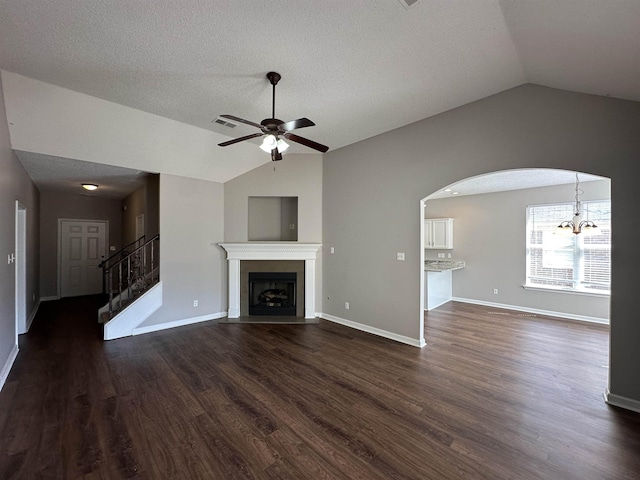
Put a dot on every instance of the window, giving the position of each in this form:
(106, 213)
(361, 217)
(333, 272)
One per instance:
(578, 263)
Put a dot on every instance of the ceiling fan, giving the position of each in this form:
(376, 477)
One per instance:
(274, 128)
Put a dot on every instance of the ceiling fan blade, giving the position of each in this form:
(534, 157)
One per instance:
(242, 120)
(275, 155)
(240, 139)
(293, 124)
(305, 141)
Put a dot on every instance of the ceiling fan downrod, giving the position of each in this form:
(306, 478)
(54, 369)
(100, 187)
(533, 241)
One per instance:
(274, 78)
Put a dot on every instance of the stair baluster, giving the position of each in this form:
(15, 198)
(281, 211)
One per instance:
(137, 271)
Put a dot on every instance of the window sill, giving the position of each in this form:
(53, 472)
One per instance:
(566, 291)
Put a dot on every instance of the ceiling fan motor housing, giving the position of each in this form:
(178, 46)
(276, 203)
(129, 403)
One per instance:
(271, 125)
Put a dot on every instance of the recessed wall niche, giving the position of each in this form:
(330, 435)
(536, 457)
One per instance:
(273, 219)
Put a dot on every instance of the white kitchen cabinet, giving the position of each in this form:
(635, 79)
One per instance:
(438, 233)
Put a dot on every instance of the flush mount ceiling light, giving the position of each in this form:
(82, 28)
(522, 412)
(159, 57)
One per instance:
(577, 225)
(274, 128)
(89, 186)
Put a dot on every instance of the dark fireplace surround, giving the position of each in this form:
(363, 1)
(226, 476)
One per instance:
(270, 278)
(272, 293)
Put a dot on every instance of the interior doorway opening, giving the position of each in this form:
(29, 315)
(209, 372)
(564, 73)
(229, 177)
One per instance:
(490, 239)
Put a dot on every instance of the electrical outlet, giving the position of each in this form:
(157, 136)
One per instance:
(441, 255)
(400, 256)
(346, 305)
(333, 250)
(495, 291)
(448, 255)
(195, 303)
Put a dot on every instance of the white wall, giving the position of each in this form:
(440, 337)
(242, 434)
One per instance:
(192, 265)
(372, 193)
(490, 236)
(15, 185)
(294, 176)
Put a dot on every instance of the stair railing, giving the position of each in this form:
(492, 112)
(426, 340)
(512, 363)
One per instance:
(130, 276)
(123, 252)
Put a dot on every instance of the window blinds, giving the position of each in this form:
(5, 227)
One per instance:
(577, 262)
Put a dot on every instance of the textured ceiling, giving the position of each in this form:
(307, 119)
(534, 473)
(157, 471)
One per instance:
(66, 175)
(356, 68)
(512, 180)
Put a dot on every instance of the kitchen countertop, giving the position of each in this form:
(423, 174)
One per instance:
(440, 265)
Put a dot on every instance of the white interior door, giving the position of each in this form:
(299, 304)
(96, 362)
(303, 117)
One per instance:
(139, 226)
(82, 248)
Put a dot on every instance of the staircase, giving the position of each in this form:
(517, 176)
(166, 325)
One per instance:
(131, 280)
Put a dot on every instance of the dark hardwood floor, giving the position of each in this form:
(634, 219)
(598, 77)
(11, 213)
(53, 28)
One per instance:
(494, 395)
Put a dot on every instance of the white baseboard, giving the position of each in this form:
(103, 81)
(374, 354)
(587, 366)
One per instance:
(550, 313)
(433, 307)
(178, 323)
(6, 368)
(622, 402)
(33, 315)
(48, 299)
(376, 331)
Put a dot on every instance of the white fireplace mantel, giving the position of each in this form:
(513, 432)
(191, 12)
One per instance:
(272, 251)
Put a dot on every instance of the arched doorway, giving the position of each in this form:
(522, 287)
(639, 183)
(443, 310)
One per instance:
(489, 215)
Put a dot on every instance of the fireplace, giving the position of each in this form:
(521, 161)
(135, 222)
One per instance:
(270, 251)
(272, 293)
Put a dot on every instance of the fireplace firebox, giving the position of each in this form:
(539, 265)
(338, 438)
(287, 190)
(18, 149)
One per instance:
(272, 293)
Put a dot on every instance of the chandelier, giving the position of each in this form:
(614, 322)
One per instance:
(577, 225)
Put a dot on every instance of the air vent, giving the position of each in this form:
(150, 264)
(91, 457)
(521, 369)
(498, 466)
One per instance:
(407, 3)
(224, 122)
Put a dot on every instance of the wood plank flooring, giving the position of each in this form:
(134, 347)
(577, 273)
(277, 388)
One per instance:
(495, 395)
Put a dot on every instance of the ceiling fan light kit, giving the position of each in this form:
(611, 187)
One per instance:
(270, 142)
(274, 128)
(282, 145)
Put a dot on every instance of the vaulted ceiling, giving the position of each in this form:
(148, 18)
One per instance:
(356, 68)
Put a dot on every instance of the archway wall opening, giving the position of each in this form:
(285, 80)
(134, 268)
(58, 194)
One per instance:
(490, 237)
(372, 192)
